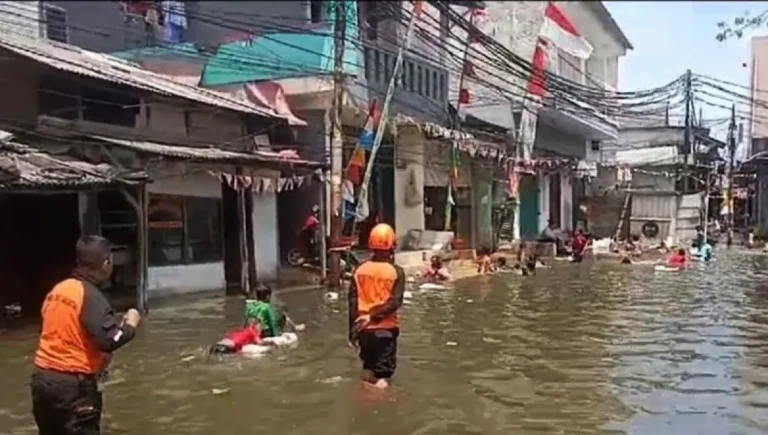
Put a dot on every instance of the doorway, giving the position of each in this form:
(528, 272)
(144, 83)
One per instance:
(554, 200)
(529, 207)
(38, 250)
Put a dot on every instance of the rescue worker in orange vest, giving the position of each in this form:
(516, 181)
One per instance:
(80, 331)
(375, 295)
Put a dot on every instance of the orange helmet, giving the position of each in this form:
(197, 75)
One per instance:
(382, 238)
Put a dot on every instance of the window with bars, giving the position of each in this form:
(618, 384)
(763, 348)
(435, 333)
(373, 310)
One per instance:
(184, 230)
(419, 81)
(316, 11)
(55, 23)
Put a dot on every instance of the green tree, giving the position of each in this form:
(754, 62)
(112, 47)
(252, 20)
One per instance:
(740, 25)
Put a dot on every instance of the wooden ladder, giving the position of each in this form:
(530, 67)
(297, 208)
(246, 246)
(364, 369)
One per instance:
(623, 217)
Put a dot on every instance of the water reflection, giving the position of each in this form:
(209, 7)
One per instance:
(579, 349)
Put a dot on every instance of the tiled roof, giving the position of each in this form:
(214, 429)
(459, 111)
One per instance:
(213, 155)
(25, 167)
(112, 69)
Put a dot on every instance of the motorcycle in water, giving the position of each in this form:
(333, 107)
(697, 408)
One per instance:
(306, 253)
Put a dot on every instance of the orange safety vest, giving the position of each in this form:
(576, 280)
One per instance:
(375, 283)
(64, 345)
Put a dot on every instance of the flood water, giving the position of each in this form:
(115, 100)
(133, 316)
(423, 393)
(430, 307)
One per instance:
(578, 349)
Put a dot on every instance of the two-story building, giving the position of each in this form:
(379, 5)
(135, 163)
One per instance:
(209, 216)
(552, 194)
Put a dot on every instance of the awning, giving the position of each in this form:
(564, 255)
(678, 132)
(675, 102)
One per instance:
(273, 160)
(578, 124)
(24, 168)
(657, 156)
(112, 69)
(269, 95)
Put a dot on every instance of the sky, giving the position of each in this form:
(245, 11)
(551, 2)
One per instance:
(671, 37)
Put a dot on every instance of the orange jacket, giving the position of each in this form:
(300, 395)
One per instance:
(376, 289)
(79, 329)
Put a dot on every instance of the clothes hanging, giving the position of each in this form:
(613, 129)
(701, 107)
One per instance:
(175, 19)
(175, 13)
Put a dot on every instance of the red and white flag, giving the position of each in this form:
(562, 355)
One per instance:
(561, 32)
(556, 32)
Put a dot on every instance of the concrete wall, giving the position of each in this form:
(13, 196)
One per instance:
(603, 64)
(409, 148)
(18, 84)
(164, 280)
(552, 141)
(759, 81)
(205, 126)
(265, 232)
(566, 202)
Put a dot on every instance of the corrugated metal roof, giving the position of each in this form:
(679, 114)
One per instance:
(25, 167)
(211, 154)
(106, 67)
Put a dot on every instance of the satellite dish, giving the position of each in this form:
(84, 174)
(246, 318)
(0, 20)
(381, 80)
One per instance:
(650, 229)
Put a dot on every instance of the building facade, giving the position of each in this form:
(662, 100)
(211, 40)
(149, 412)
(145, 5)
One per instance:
(758, 129)
(180, 233)
(555, 195)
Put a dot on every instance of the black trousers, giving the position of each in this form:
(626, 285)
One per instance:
(378, 351)
(66, 404)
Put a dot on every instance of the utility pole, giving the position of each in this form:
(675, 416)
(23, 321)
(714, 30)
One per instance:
(731, 156)
(339, 35)
(687, 133)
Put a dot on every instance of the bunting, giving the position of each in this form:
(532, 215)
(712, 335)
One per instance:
(262, 184)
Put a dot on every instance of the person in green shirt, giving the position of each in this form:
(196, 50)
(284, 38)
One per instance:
(271, 320)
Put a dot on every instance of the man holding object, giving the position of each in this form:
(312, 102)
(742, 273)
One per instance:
(80, 331)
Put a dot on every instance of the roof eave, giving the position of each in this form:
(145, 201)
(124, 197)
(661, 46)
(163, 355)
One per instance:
(611, 25)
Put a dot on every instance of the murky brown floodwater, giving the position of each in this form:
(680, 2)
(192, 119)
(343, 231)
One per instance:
(589, 348)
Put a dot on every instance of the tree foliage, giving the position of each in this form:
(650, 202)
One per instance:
(740, 25)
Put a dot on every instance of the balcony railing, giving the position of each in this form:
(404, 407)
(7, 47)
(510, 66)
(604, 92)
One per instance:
(416, 77)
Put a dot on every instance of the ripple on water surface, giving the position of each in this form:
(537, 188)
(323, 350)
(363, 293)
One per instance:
(577, 349)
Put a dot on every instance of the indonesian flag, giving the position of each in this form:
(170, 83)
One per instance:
(418, 7)
(536, 85)
(368, 133)
(559, 30)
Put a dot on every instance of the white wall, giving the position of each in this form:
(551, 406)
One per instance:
(566, 202)
(544, 181)
(265, 232)
(187, 278)
(409, 147)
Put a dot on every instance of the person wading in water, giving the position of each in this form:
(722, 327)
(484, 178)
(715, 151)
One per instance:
(375, 294)
(80, 331)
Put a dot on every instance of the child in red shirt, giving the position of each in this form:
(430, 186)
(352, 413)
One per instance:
(234, 341)
(678, 259)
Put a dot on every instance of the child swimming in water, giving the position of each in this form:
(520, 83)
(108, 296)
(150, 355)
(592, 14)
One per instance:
(234, 341)
(271, 321)
(435, 271)
(483, 261)
(678, 259)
